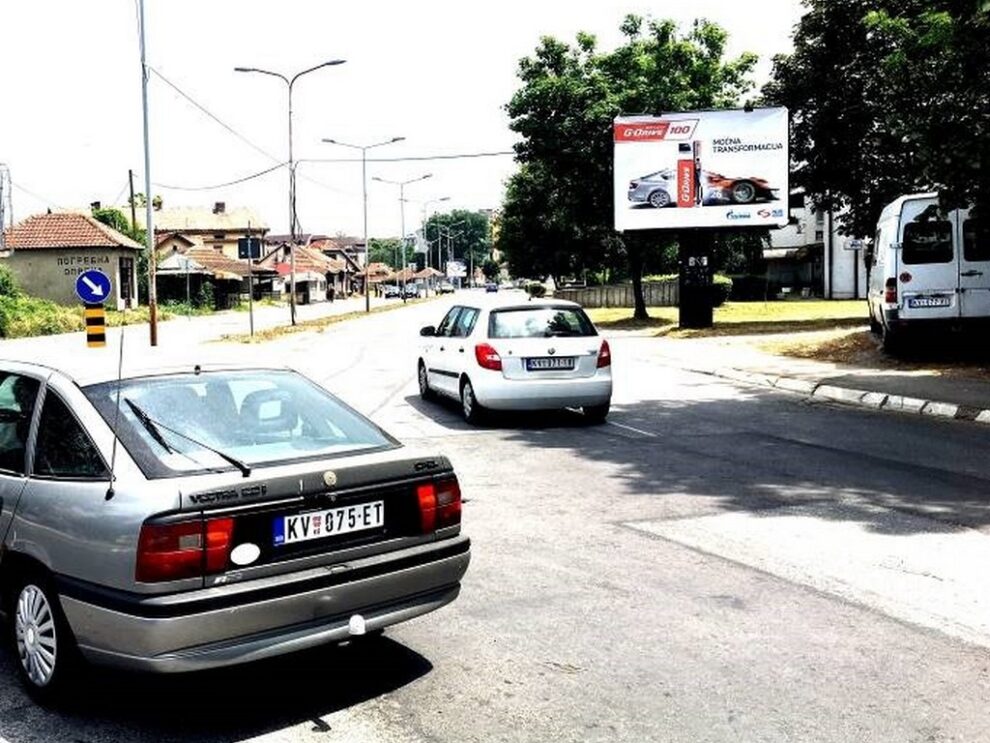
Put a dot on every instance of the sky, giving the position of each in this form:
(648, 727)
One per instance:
(437, 72)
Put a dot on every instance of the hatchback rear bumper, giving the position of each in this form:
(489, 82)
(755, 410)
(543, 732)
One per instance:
(247, 622)
(498, 393)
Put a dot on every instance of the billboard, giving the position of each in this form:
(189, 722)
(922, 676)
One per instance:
(701, 169)
(456, 270)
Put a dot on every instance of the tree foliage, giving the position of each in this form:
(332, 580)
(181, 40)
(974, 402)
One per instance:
(557, 218)
(471, 234)
(387, 251)
(887, 97)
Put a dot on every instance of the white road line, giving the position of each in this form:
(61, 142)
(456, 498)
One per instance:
(634, 430)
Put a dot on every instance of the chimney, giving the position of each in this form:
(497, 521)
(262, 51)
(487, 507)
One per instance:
(219, 207)
(94, 206)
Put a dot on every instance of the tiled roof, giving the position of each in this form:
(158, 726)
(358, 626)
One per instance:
(307, 261)
(202, 218)
(65, 230)
(216, 261)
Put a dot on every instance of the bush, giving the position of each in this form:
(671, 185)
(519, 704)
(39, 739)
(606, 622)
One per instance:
(8, 284)
(721, 289)
(23, 317)
(536, 289)
(751, 288)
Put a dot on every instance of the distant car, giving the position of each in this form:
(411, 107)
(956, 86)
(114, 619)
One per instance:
(411, 291)
(512, 355)
(391, 291)
(491, 286)
(654, 189)
(741, 190)
(445, 288)
(245, 513)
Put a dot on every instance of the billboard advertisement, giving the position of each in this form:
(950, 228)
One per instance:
(456, 270)
(701, 169)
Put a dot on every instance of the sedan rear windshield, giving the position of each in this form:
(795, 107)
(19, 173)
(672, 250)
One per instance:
(183, 424)
(539, 322)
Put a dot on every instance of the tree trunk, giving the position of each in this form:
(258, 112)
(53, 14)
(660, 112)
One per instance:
(636, 271)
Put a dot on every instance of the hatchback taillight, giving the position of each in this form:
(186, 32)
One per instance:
(604, 355)
(439, 504)
(185, 549)
(487, 357)
(890, 291)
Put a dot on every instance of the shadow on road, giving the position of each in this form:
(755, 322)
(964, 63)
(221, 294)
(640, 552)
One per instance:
(227, 704)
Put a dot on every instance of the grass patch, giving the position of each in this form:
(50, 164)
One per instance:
(744, 318)
(316, 324)
(22, 316)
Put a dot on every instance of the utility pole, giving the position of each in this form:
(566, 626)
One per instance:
(149, 223)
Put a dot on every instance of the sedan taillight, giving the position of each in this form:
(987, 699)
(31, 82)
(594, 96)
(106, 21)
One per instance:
(439, 504)
(185, 549)
(487, 357)
(604, 355)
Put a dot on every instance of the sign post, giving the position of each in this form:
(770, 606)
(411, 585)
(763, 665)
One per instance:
(93, 288)
(249, 248)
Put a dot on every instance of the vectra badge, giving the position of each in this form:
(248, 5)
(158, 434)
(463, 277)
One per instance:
(330, 478)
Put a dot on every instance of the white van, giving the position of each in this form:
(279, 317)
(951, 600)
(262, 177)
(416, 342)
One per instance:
(928, 269)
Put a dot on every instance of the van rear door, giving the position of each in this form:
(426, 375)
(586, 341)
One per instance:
(974, 268)
(928, 264)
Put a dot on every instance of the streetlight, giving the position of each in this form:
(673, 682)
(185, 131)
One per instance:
(402, 218)
(426, 208)
(364, 194)
(449, 229)
(293, 221)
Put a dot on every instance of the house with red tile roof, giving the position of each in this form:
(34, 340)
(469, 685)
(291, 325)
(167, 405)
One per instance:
(47, 252)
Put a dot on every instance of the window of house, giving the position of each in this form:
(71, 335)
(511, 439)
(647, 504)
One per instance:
(63, 448)
(17, 397)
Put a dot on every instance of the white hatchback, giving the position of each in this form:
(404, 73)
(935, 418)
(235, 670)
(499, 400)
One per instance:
(517, 355)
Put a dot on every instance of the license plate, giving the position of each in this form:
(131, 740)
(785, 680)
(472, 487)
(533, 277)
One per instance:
(938, 301)
(330, 523)
(550, 362)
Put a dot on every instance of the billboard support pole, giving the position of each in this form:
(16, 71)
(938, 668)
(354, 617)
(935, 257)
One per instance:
(694, 306)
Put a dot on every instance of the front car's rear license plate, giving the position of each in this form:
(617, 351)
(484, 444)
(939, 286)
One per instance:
(936, 301)
(330, 523)
(550, 362)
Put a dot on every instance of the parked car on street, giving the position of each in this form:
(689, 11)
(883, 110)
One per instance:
(411, 291)
(929, 270)
(445, 287)
(391, 291)
(512, 355)
(248, 513)
(491, 287)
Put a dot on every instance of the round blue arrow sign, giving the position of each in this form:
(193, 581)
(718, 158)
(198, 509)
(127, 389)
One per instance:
(93, 287)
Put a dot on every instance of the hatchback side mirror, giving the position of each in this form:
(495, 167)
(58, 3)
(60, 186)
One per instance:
(429, 330)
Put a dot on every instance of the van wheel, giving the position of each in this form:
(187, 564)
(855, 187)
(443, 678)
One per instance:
(893, 342)
(44, 649)
(875, 327)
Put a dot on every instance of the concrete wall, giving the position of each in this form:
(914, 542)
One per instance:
(51, 273)
(659, 294)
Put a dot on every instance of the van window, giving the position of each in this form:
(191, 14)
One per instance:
(976, 241)
(927, 242)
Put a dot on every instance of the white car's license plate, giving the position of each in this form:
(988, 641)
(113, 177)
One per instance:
(936, 301)
(330, 523)
(550, 362)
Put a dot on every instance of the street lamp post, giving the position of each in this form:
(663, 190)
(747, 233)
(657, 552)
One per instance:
(293, 221)
(402, 218)
(364, 195)
(450, 234)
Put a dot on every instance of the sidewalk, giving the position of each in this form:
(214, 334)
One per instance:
(921, 392)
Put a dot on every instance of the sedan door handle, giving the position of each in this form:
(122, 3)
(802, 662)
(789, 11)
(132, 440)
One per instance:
(971, 273)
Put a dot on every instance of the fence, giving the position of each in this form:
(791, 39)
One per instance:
(656, 294)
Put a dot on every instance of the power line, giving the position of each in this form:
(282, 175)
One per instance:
(246, 178)
(33, 195)
(414, 158)
(213, 116)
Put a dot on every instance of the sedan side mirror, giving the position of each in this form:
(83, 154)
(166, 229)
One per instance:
(429, 330)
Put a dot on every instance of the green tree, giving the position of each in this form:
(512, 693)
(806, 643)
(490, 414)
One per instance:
(490, 268)
(887, 97)
(387, 251)
(470, 235)
(115, 218)
(557, 214)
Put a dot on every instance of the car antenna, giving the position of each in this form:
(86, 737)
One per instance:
(116, 416)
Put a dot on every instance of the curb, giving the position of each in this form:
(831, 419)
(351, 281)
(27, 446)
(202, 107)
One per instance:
(868, 399)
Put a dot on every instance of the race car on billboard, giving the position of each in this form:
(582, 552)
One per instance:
(654, 189)
(740, 190)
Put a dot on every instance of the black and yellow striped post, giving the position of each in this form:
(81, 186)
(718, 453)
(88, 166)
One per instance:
(96, 325)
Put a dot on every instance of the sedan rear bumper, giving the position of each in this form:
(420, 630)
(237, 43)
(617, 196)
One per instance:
(216, 627)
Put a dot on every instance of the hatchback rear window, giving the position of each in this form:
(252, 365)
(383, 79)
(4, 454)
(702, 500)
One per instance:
(539, 322)
(184, 423)
(927, 242)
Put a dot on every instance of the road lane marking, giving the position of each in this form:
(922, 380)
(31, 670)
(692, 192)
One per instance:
(640, 431)
(909, 567)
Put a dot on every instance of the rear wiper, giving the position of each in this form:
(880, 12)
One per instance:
(155, 428)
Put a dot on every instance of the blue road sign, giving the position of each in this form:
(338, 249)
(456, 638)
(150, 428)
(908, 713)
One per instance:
(93, 287)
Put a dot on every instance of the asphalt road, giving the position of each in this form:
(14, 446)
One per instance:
(717, 563)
